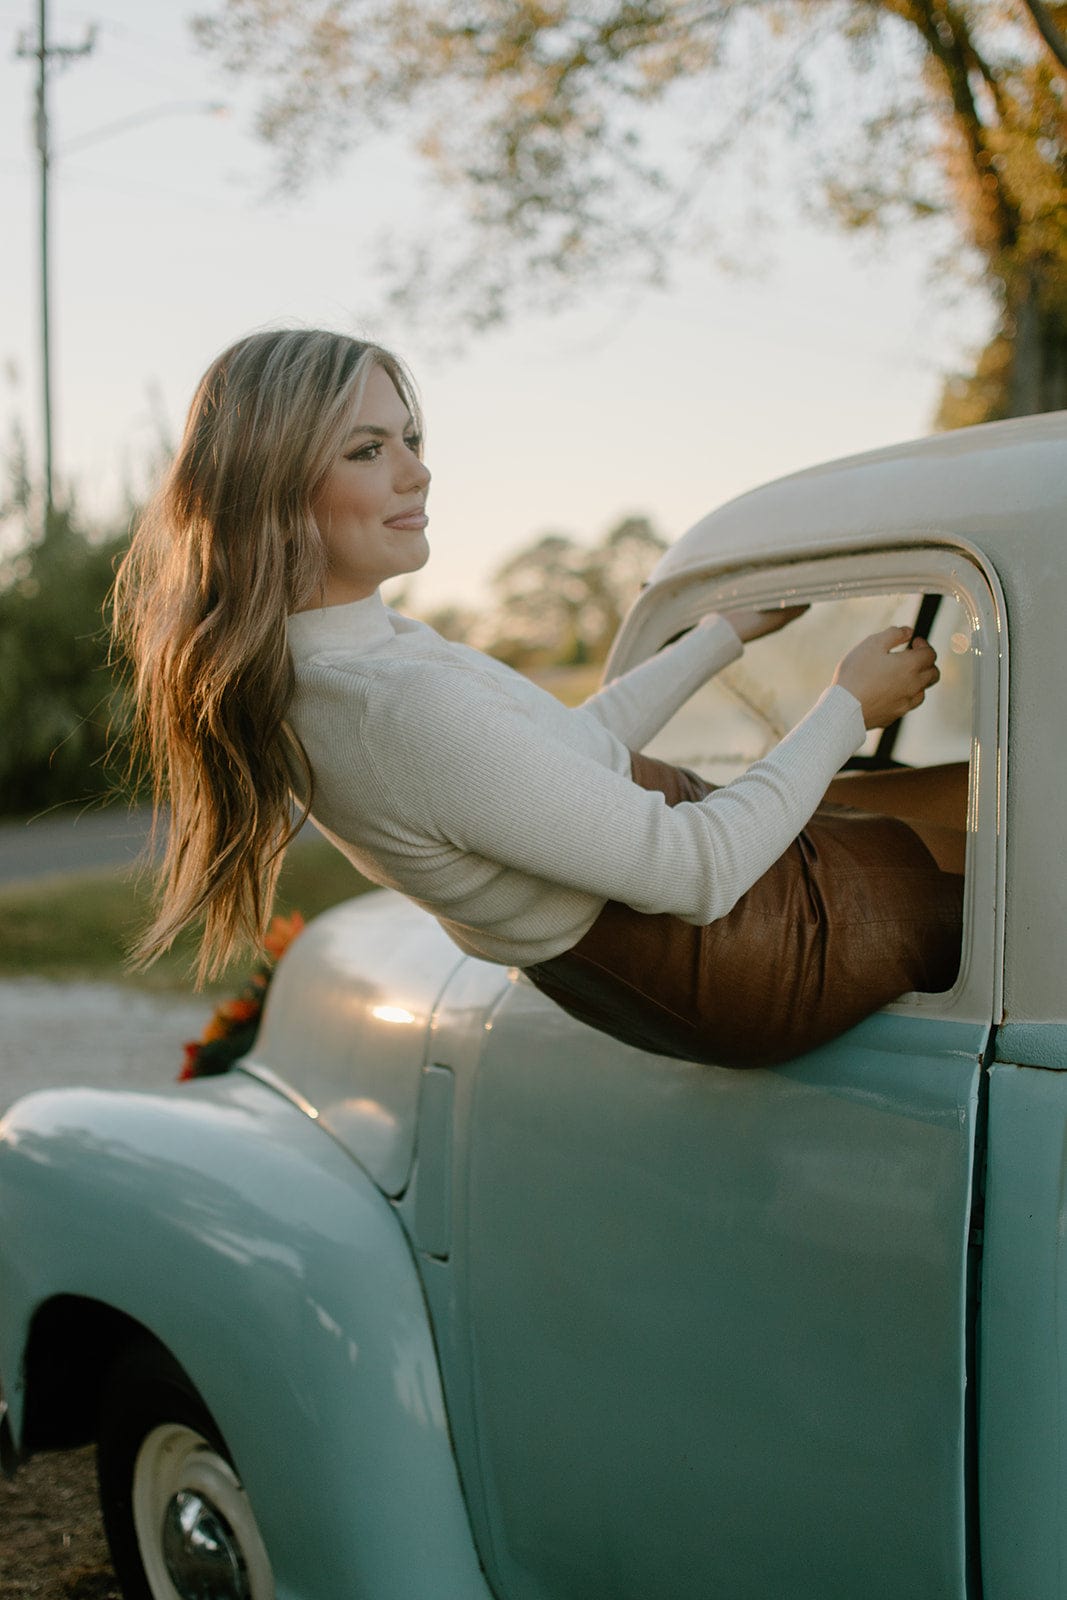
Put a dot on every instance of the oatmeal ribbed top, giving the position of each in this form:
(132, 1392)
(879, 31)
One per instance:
(440, 772)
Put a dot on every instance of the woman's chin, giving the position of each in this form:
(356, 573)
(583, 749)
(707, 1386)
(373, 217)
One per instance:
(420, 554)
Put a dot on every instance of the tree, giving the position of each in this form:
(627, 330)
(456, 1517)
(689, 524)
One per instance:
(56, 690)
(542, 118)
(558, 602)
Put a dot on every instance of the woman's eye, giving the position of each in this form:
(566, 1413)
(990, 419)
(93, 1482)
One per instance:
(371, 452)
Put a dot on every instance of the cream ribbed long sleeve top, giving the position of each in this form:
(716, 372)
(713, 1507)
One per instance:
(512, 818)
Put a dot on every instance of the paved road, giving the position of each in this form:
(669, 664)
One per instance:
(73, 839)
(70, 839)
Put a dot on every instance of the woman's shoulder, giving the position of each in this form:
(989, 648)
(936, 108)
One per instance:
(398, 668)
(420, 670)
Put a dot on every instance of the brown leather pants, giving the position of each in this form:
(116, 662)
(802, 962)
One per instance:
(855, 914)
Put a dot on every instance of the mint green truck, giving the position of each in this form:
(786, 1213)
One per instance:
(440, 1295)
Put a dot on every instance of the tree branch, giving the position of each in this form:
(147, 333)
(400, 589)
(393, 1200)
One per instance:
(1048, 30)
(946, 36)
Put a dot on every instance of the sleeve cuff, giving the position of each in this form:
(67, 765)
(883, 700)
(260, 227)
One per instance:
(719, 638)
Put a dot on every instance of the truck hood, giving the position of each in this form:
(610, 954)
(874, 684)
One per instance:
(346, 1028)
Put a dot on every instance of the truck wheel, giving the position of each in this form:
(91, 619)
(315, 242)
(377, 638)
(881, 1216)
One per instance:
(178, 1522)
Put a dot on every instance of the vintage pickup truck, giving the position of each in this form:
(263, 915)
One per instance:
(439, 1295)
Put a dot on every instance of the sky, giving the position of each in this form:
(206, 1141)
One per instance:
(665, 403)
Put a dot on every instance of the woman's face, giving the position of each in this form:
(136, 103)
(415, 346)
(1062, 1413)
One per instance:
(370, 510)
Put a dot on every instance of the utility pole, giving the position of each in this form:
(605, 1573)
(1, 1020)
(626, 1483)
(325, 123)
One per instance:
(44, 52)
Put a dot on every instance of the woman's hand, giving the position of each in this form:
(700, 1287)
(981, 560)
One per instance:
(886, 680)
(749, 625)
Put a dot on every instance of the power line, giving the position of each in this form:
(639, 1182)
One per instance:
(44, 54)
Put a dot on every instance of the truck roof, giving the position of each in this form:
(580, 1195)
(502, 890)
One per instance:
(997, 486)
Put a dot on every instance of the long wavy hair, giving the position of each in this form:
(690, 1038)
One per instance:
(226, 549)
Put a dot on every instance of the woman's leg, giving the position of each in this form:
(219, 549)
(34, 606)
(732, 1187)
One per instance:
(931, 800)
(936, 795)
(948, 846)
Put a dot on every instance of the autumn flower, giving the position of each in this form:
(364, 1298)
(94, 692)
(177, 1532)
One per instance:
(281, 933)
(232, 1029)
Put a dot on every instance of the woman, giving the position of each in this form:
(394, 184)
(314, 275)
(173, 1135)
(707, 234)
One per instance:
(702, 923)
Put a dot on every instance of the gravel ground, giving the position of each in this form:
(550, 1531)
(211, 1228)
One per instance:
(51, 1539)
(58, 1034)
(51, 1035)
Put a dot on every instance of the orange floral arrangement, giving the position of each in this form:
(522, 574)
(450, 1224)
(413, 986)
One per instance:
(231, 1033)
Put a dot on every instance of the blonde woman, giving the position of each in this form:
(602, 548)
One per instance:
(740, 925)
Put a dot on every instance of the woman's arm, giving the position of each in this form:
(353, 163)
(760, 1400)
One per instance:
(466, 765)
(636, 706)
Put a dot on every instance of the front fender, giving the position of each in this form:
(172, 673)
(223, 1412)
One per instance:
(253, 1247)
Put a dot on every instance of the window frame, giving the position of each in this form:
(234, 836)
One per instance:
(953, 568)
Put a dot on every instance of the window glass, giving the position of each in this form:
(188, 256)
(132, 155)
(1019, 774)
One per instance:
(740, 715)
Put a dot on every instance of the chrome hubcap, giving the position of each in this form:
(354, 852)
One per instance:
(195, 1528)
(202, 1556)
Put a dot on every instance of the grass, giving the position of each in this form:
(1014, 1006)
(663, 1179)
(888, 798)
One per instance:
(79, 926)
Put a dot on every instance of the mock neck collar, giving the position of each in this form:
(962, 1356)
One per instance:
(359, 624)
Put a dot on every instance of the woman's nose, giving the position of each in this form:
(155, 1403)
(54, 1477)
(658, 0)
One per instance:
(416, 474)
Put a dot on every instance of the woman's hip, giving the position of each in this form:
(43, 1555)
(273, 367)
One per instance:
(854, 914)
